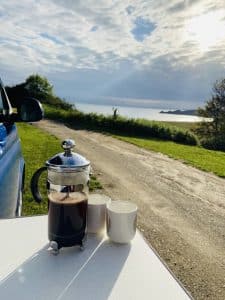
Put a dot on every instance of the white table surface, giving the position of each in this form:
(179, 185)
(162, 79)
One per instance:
(102, 271)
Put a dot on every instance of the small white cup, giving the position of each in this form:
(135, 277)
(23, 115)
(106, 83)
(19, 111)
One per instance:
(121, 221)
(96, 214)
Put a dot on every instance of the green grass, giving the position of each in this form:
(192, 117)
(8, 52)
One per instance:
(207, 160)
(37, 147)
(183, 125)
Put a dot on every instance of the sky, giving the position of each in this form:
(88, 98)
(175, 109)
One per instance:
(156, 54)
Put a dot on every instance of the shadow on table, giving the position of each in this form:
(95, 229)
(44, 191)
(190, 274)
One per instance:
(88, 274)
(98, 277)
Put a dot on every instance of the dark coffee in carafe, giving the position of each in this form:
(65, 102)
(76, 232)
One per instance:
(67, 218)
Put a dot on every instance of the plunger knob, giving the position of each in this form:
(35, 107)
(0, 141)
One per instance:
(68, 145)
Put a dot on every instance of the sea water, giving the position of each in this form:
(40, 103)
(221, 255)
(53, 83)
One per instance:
(136, 112)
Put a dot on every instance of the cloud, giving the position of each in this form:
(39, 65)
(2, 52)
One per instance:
(94, 28)
(134, 48)
(130, 9)
(102, 28)
(180, 6)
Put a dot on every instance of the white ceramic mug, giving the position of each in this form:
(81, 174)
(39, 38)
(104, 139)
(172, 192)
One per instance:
(96, 214)
(121, 221)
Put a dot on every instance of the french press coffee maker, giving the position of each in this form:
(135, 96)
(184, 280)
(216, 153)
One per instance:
(68, 175)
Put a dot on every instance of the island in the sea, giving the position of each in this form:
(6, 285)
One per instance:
(191, 112)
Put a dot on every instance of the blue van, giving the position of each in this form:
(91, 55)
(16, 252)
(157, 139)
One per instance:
(12, 165)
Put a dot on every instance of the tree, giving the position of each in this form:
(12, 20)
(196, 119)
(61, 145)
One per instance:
(213, 132)
(38, 87)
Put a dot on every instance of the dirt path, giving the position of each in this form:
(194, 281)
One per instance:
(181, 209)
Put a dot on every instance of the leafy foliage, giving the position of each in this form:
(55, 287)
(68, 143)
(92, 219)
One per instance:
(212, 133)
(121, 125)
(38, 87)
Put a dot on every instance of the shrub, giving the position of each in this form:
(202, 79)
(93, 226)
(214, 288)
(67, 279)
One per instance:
(214, 143)
(121, 125)
(185, 137)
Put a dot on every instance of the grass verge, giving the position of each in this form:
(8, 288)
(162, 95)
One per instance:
(37, 147)
(206, 160)
(184, 125)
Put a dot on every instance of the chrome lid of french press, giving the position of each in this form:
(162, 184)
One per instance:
(67, 159)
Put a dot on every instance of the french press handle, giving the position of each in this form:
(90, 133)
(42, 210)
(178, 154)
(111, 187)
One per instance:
(34, 184)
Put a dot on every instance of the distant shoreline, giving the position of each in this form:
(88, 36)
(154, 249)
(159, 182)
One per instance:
(139, 112)
(189, 112)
